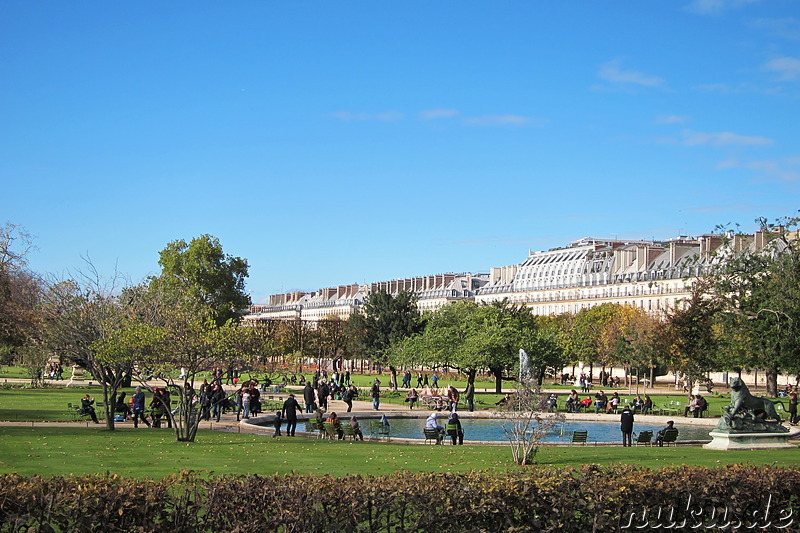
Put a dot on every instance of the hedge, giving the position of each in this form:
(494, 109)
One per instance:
(542, 499)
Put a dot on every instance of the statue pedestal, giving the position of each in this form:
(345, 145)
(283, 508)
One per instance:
(749, 441)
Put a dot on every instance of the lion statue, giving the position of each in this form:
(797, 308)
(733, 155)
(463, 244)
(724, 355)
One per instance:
(743, 400)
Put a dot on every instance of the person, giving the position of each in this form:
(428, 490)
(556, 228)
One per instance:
(407, 379)
(793, 407)
(157, 407)
(419, 380)
(585, 403)
(504, 400)
(277, 422)
(88, 409)
(454, 430)
(613, 403)
(308, 397)
(375, 392)
(661, 432)
(217, 399)
(323, 391)
(348, 397)
(638, 403)
(336, 423)
(452, 398)
(572, 401)
(552, 402)
(626, 425)
(205, 400)
(122, 406)
(356, 427)
(702, 405)
(691, 406)
(647, 406)
(411, 398)
(469, 396)
(245, 403)
(600, 401)
(289, 411)
(138, 408)
(432, 423)
(435, 379)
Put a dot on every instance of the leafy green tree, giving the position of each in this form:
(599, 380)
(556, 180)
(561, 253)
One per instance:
(200, 268)
(384, 320)
(759, 292)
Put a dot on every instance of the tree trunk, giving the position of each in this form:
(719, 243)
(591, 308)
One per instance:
(772, 381)
(498, 379)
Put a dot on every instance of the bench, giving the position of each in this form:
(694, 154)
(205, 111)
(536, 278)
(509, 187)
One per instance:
(432, 435)
(579, 437)
(645, 437)
(670, 437)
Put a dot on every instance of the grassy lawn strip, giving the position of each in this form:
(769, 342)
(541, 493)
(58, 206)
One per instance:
(155, 454)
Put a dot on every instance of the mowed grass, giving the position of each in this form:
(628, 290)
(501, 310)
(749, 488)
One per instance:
(155, 454)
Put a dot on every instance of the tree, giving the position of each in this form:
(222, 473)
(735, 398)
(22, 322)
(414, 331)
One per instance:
(20, 291)
(690, 332)
(758, 289)
(201, 269)
(385, 320)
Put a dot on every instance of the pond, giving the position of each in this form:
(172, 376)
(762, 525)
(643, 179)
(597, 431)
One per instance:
(488, 429)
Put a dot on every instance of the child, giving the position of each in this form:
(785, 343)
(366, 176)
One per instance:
(278, 421)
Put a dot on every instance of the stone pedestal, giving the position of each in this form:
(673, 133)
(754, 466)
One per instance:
(749, 441)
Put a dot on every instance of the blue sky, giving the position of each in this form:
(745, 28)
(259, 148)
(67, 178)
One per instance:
(341, 142)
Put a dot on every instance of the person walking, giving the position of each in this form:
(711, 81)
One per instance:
(138, 408)
(469, 395)
(289, 412)
(375, 392)
(348, 397)
(626, 425)
(308, 397)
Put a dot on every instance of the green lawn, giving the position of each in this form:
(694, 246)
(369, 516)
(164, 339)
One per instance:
(156, 454)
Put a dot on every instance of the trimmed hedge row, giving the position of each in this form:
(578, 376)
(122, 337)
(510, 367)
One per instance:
(534, 499)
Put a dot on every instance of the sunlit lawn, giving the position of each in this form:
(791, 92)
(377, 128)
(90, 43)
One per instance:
(155, 453)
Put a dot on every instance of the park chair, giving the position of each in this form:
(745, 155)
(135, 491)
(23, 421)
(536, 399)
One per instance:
(330, 431)
(432, 435)
(73, 412)
(670, 437)
(645, 437)
(378, 430)
(348, 431)
(580, 437)
(317, 427)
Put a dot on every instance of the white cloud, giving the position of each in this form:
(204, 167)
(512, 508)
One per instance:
(786, 169)
(724, 138)
(787, 67)
(713, 7)
(671, 119)
(498, 120)
(787, 28)
(433, 114)
(612, 72)
(348, 116)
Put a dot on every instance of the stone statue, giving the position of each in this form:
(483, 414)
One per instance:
(750, 414)
(524, 366)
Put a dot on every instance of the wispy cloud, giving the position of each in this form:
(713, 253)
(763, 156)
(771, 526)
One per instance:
(671, 119)
(724, 138)
(386, 116)
(787, 67)
(787, 28)
(786, 169)
(714, 7)
(613, 72)
(435, 114)
(501, 120)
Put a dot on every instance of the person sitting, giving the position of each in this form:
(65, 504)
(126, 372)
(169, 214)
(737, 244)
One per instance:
(612, 403)
(702, 405)
(356, 427)
(637, 404)
(411, 398)
(647, 406)
(660, 435)
(88, 409)
(584, 403)
(690, 406)
(122, 407)
(504, 400)
(454, 430)
(336, 423)
(600, 401)
(432, 423)
(572, 401)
